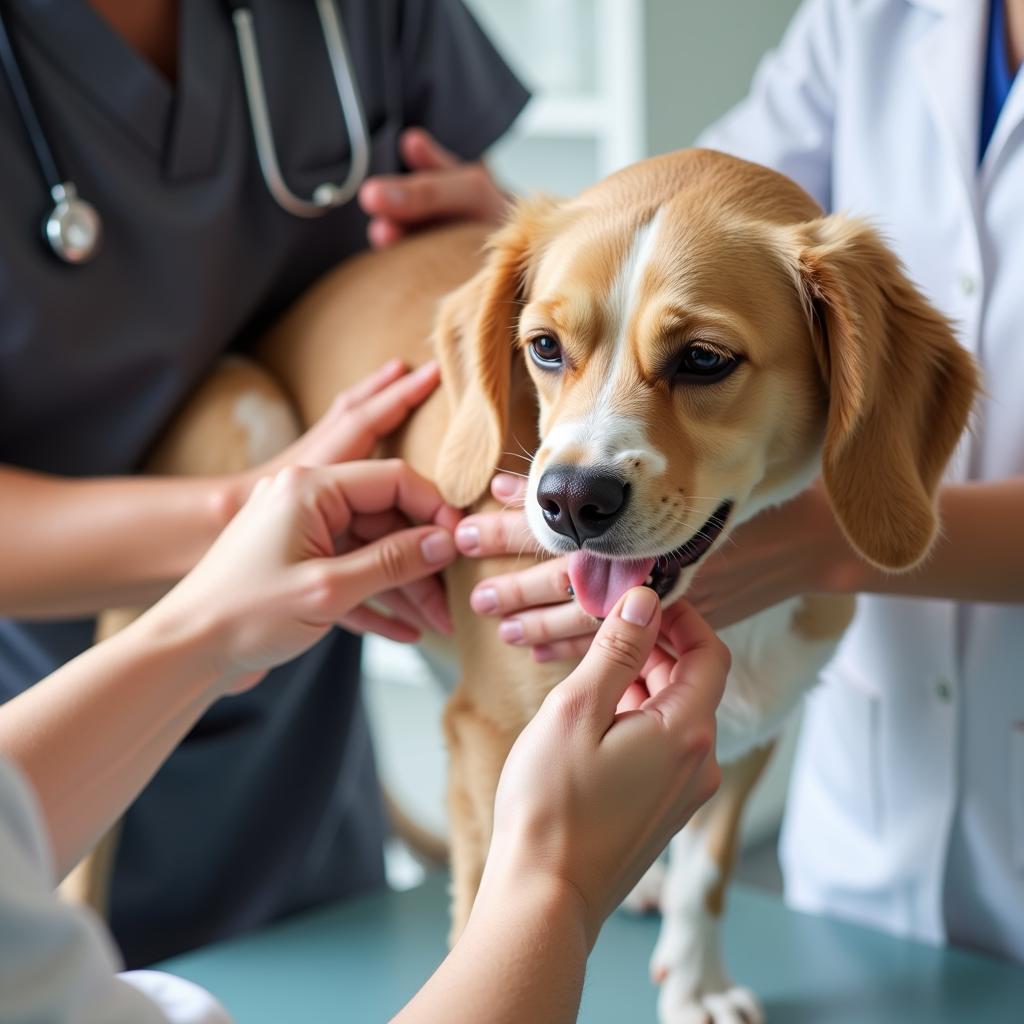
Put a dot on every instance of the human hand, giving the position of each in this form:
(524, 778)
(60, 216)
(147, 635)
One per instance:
(617, 759)
(787, 550)
(535, 604)
(302, 555)
(358, 418)
(356, 421)
(439, 186)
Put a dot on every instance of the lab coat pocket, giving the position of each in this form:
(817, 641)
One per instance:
(1017, 793)
(847, 751)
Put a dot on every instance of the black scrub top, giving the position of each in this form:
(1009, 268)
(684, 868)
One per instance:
(271, 804)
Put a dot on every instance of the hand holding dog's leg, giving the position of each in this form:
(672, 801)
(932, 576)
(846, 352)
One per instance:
(588, 798)
(90, 735)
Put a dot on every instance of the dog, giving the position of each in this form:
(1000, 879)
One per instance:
(687, 343)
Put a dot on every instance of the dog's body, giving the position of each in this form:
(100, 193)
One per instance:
(621, 282)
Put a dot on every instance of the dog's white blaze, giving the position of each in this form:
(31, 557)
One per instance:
(610, 438)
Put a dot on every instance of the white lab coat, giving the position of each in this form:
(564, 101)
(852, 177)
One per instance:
(57, 962)
(906, 809)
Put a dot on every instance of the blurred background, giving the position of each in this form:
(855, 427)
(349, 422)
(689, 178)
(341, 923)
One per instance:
(613, 81)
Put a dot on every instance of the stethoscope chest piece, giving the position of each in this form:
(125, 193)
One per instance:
(73, 228)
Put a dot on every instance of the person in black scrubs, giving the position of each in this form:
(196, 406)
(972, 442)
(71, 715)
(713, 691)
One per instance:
(271, 804)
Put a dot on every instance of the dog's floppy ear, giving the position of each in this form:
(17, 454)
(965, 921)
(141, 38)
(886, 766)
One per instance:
(900, 389)
(474, 337)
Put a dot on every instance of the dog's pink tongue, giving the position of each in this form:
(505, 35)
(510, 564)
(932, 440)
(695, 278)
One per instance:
(599, 582)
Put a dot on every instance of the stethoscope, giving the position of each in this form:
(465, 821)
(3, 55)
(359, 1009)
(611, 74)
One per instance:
(73, 228)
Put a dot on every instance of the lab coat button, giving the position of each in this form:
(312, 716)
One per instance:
(968, 284)
(944, 690)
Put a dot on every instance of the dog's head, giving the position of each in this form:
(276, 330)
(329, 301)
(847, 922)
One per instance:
(703, 343)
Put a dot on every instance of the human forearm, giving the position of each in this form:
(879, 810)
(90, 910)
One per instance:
(979, 555)
(522, 957)
(90, 736)
(74, 547)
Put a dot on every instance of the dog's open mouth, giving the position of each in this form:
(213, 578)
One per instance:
(598, 582)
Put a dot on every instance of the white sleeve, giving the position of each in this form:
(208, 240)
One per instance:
(786, 121)
(57, 962)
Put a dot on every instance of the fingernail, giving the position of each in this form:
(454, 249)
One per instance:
(484, 600)
(505, 486)
(542, 654)
(395, 195)
(467, 538)
(639, 606)
(437, 547)
(426, 370)
(511, 631)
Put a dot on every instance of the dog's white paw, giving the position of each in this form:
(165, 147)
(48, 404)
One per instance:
(646, 895)
(695, 988)
(734, 1006)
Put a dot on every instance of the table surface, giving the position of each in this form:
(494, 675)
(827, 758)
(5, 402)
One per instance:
(362, 960)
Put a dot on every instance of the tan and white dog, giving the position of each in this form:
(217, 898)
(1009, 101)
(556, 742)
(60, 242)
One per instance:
(683, 345)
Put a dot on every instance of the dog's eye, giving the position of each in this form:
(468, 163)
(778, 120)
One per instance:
(703, 364)
(546, 352)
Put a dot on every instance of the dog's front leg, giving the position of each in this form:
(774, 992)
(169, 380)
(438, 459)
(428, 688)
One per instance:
(477, 750)
(687, 960)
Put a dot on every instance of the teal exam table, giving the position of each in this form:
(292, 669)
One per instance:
(362, 960)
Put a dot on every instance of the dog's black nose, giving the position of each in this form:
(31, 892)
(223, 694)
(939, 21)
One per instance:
(580, 503)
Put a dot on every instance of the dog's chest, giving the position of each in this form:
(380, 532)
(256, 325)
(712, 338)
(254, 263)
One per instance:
(772, 667)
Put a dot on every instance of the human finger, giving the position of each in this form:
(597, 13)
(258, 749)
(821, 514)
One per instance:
(339, 584)
(374, 525)
(422, 152)
(425, 601)
(543, 584)
(381, 232)
(391, 371)
(369, 488)
(398, 606)
(696, 681)
(464, 190)
(383, 412)
(562, 650)
(508, 487)
(367, 620)
(495, 533)
(615, 657)
(547, 625)
(634, 697)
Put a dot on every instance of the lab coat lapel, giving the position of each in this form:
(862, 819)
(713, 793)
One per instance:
(1011, 121)
(950, 62)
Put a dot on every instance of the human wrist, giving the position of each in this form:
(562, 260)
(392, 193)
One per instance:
(515, 884)
(837, 568)
(227, 495)
(190, 644)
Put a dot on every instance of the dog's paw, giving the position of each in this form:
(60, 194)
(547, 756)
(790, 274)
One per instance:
(646, 895)
(735, 1006)
(695, 987)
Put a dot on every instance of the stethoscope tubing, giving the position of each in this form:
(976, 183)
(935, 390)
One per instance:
(73, 229)
(328, 195)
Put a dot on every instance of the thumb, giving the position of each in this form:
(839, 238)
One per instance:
(616, 655)
(422, 152)
(392, 561)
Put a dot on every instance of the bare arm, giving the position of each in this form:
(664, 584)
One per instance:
(604, 747)
(91, 735)
(979, 555)
(798, 548)
(75, 547)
